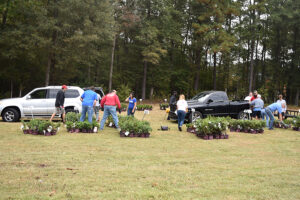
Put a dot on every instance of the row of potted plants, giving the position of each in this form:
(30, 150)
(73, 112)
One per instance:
(163, 106)
(210, 128)
(247, 126)
(73, 124)
(40, 127)
(82, 127)
(132, 127)
(296, 124)
(142, 107)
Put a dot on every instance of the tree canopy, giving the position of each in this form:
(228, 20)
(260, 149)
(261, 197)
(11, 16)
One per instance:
(152, 47)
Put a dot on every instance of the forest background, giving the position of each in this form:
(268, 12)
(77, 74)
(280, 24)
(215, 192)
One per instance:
(152, 47)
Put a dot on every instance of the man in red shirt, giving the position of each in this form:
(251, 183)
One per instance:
(110, 103)
(254, 96)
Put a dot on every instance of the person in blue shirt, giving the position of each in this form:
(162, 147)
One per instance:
(132, 104)
(88, 98)
(269, 112)
(257, 104)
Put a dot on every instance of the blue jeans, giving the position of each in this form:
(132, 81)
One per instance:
(263, 115)
(271, 116)
(109, 110)
(181, 117)
(89, 110)
(129, 111)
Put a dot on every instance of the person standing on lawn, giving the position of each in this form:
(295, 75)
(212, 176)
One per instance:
(254, 96)
(59, 103)
(172, 101)
(257, 104)
(110, 102)
(88, 98)
(284, 107)
(97, 107)
(182, 109)
(132, 104)
(269, 112)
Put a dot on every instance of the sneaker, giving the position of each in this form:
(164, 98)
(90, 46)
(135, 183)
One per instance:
(179, 128)
(271, 129)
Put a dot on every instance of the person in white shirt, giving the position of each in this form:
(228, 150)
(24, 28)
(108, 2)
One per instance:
(283, 103)
(248, 98)
(182, 108)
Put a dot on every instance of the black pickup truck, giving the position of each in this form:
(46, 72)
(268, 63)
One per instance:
(214, 103)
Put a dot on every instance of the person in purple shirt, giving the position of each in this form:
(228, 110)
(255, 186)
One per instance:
(269, 112)
(88, 98)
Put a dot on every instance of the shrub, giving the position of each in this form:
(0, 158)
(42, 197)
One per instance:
(296, 122)
(72, 117)
(211, 125)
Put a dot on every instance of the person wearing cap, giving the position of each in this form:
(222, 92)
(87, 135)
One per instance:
(59, 103)
(88, 98)
(110, 102)
(257, 104)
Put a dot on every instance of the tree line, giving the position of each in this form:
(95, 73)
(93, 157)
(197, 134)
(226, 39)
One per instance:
(152, 46)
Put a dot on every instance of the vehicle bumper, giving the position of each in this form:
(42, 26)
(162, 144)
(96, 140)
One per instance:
(172, 115)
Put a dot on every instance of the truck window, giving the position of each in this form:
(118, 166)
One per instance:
(39, 94)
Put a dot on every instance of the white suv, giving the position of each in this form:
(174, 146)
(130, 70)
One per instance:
(39, 103)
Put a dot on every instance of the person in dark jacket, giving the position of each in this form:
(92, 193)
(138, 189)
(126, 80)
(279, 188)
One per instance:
(59, 103)
(173, 100)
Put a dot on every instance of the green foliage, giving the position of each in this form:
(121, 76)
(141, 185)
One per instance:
(72, 117)
(123, 92)
(296, 122)
(132, 124)
(247, 124)
(144, 107)
(211, 125)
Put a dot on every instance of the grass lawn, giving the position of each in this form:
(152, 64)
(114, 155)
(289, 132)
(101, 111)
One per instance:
(168, 165)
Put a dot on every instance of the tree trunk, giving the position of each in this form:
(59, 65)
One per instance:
(251, 65)
(144, 80)
(215, 72)
(4, 15)
(11, 88)
(198, 62)
(297, 97)
(50, 65)
(112, 63)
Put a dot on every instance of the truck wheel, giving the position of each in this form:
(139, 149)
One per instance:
(194, 116)
(10, 115)
(243, 115)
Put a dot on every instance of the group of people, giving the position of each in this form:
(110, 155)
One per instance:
(92, 104)
(259, 111)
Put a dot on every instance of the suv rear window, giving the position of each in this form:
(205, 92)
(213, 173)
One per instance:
(70, 93)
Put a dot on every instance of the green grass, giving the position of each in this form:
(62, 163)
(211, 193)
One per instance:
(168, 165)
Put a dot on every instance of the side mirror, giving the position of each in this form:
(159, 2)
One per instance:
(209, 101)
(28, 97)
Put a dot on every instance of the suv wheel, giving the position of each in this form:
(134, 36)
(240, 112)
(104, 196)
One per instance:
(243, 115)
(10, 115)
(194, 116)
(71, 110)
